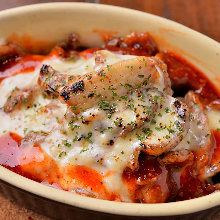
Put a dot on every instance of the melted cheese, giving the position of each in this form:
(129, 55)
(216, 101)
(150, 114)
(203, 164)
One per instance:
(94, 138)
(38, 118)
(214, 119)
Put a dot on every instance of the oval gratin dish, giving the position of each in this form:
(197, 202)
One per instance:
(52, 22)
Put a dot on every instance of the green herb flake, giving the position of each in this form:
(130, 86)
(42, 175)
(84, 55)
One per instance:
(153, 121)
(131, 106)
(75, 139)
(102, 73)
(84, 150)
(66, 143)
(147, 131)
(128, 85)
(25, 130)
(167, 136)
(88, 138)
(104, 105)
(132, 123)
(73, 107)
(24, 100)
(62, 154)
(124, 98)
(191, 117)
(167, 110)
(109, 67)
(159, 128)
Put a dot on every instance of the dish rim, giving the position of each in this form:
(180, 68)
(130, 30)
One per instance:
(111, 207)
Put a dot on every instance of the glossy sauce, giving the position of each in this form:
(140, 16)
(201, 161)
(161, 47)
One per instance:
(184, 76)
(33, 163)
(17, 65)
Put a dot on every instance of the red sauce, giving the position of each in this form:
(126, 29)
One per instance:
(190, 186)
(141, 44)
(25, 63)
(163, 183)
(88, 53)
(148, 173)
(32, 162)
(17, 65)
(185, 76)
(148, 168)
(9, 150)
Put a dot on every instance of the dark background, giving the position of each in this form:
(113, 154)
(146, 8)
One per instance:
(200, 15)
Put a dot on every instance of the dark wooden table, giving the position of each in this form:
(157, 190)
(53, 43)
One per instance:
(200, 15)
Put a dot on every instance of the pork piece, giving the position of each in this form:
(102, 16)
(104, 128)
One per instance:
(212, 170)
(199, 133)
(51, 81)
(20, 97)
(100, 58)
(169, 126)
(133, 43)
(35, 137)
(85, 91)
(199, 138)
(69, 48)
(8, 51)
(72, 42)
(131, 112)
(152, 193)
(142, 105)
(176, 157)
(84, 192)
(149, 180)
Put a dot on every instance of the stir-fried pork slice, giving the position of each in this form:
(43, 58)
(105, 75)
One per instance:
(100, 58)
(72, 42)
(158, 121)
(129, 113)
(199, 133)
(133, 43)
(20, 97)
(199, 138)
(212, 170)
(168, 128)
(153, 192)
(177, 157)
(35, 137)
(213, 113)
(51, 81)
(8, 51)
(85, 91)
(106, 58)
